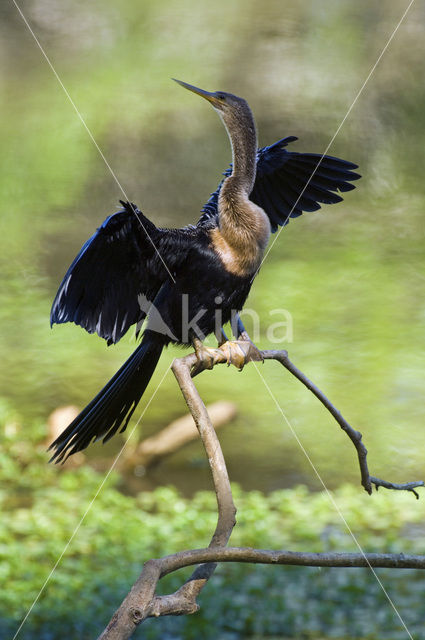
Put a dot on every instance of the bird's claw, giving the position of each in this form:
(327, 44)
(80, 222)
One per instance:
(206, 359)
(239, 352)
(236, 352)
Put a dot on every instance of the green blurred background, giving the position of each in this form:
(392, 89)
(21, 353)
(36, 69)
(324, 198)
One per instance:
(351, 275)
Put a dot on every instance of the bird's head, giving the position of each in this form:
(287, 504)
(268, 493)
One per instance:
(229, 106)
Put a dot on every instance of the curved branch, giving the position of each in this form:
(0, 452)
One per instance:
(226, 508)
(355, 436)
(142, 602)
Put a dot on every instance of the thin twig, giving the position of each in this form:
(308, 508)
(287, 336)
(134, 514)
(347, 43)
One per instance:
(355, 436)
(404, 486)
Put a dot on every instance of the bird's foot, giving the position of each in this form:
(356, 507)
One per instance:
(240, 352)
(206, 359)
(236, 352)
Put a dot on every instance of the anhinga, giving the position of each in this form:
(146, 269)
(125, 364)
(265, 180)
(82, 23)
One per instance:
(130, 269)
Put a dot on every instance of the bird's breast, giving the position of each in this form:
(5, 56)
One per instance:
(240, 248)
(242, 233)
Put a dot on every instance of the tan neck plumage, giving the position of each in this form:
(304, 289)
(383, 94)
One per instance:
(244, 228)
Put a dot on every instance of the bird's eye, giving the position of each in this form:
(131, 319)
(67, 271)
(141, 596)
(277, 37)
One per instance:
(221, 96)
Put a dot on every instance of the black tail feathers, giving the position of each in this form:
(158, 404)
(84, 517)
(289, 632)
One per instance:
(114, 404)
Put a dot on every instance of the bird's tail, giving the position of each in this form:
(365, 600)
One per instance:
(114, 404)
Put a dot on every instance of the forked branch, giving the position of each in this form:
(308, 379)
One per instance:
(142, 601)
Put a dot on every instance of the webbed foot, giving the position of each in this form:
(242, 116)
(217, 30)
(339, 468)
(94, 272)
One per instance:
(239, 352)
(206, 358)
(236, 352)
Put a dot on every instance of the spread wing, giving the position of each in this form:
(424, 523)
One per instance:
(288, 183)
(126, 258)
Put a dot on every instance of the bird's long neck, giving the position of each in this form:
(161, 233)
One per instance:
(243, 228)
(235, 190)
(243, 138)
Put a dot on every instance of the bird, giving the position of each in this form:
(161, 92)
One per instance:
(179, 281)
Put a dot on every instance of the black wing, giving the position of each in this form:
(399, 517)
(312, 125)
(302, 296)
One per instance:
(128, 256)
(288, 183)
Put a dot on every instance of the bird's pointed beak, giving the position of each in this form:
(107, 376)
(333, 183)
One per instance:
(211, 97)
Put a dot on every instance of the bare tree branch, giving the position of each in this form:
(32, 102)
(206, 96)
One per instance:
(142, 602)
(295, 558)
(355, 436)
